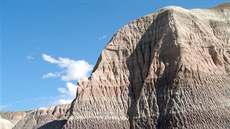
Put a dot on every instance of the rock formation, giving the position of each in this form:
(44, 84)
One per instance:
(5, 124)
(169, 69)
(9, 119)
(53, 117)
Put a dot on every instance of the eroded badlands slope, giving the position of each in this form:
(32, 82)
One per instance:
(169, 69)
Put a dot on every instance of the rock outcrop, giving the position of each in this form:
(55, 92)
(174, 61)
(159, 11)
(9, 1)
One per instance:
(167, 70)
(5, 124)
(9, 119)
(53, 117)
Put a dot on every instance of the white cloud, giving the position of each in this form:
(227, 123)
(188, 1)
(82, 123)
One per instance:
(49, 58)
(74, 70)
(68, 93)
(50, 75)
(62, 90)
(64, 101)
(101, 38)
(71, 71)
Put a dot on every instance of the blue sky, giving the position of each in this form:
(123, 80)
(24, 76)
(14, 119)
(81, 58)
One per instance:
(43, 41)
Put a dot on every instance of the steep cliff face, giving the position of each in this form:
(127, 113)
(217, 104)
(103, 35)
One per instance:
(169, 69)
(53, 117)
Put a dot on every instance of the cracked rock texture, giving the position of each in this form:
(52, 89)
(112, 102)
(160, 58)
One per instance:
(167, 70)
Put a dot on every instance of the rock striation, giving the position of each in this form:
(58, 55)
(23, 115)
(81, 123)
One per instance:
(167, 70)
(53, 117)
(9, 119)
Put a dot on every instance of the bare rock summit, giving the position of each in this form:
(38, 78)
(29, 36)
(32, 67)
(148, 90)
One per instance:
(169, 69)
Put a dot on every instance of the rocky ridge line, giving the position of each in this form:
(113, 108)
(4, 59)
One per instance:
(169, 69)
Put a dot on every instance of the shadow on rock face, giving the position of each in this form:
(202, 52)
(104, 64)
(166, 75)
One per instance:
(56, 124)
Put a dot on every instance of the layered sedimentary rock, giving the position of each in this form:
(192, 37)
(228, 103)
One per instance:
(169, 69)
(53, 117)
(12, 117)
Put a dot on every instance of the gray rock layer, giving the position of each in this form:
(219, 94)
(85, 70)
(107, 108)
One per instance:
(53, 117)
(13, 117)
(167, 70)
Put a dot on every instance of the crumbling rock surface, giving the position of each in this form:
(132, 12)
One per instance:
(5, 124)
(53, 117)
(12, 117)
(167, 70)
